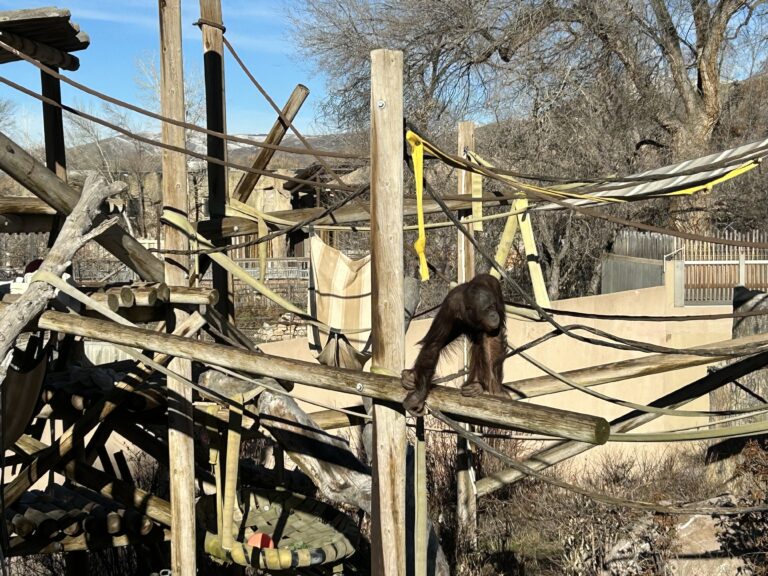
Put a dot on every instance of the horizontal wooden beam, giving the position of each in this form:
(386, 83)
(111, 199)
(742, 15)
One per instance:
(25, 224)
(41, 52)
(232, 226)
(493, 411)
(24, 205)
(627, 369)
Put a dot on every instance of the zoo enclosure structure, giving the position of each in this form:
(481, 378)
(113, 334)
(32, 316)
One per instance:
(232, 404)
(164, 300)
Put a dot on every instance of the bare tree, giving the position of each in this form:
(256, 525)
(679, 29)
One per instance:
(7, 114)
(469, 56)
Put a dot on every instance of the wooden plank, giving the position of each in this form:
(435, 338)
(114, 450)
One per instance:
(249, 180)
(44, 184)
(388, 518)
(180, 426)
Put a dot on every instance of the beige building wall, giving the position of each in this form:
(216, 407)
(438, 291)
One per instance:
(564, 353)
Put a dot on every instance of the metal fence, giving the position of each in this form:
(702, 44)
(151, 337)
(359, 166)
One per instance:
(277, 268)
(706, 273)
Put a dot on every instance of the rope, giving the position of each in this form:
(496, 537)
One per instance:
(154, 115)
(616, 341)
(639, 407)
(753, 157)
(283, 118)
(145, 140)
(596, 496)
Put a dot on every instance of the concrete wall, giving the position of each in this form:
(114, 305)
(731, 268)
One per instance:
(564, 353)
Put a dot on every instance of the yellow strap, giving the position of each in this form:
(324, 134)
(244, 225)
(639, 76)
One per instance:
(417, 153)
(738, 171)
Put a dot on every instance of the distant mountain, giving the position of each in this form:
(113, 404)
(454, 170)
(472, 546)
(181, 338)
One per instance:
(127, 154)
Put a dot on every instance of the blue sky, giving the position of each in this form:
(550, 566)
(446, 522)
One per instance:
(124, 31)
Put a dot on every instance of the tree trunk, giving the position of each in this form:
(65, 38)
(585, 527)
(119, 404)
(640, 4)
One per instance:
(74, 234)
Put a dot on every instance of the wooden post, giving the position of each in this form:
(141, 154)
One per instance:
(389, 445)
(53, 127)
(180, 439)
(215, 107)
(466, 502)
(279, 128)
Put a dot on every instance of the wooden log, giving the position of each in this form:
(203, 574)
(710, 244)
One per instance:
(196, 296)
(628, 369)
(153, 507)
(111, 301)
(145, 296)
(45, 526)
(94, 515)
(332, 419)
(388, 518)
(466, 502)
(19, 547)
(249, 180)
(34, 176)
(161, 288)
(563, 450)
(73, 235)
(493, 411)
(125, 297)
(136, 314)
(68, 522)
(216, 119)
(25, 205)
(41, 52)
(49, 456)
(175, 198)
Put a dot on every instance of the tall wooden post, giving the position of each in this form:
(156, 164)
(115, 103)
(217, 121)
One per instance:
(215, 110)
(466, 499)
(180, 440)
(389, 445)
(53, 128)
